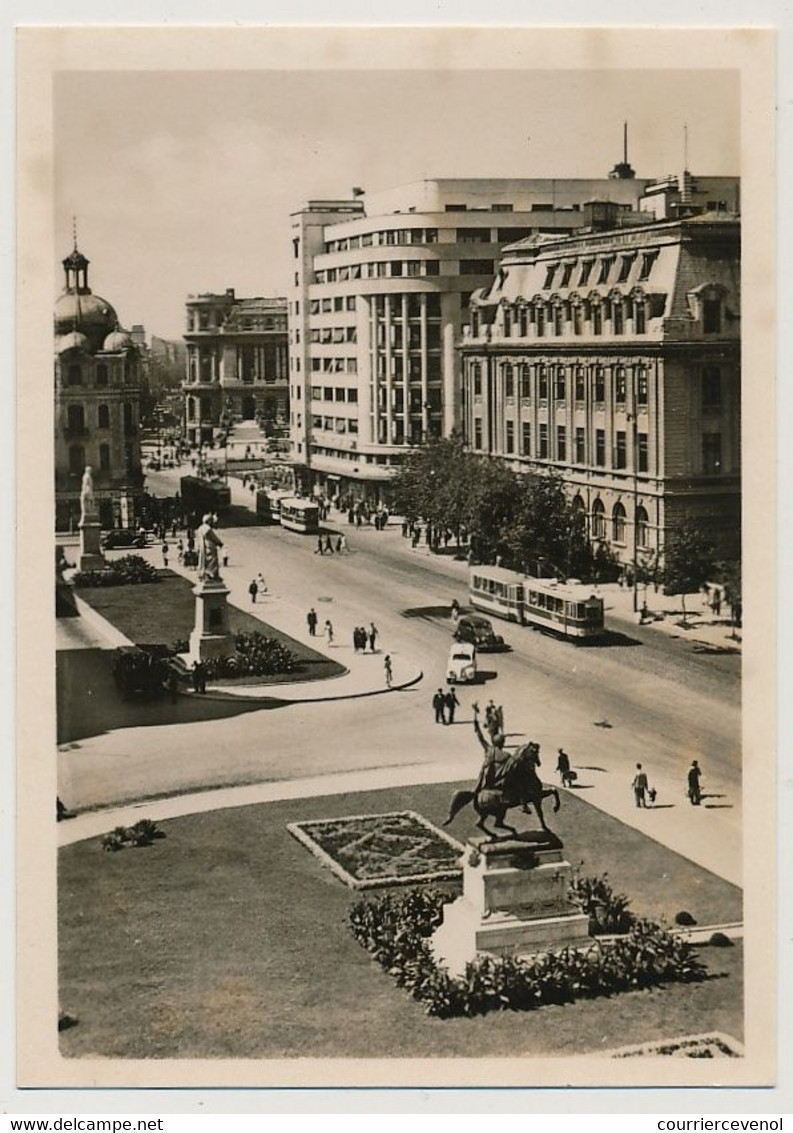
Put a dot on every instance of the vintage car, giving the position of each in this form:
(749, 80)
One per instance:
(461, 666)
(123, 538)
(478, 631)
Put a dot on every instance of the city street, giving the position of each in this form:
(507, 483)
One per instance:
(645, 697)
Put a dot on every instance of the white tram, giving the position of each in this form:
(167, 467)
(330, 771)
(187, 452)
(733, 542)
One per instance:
(569, 609)
(300, 515)
(268, 503)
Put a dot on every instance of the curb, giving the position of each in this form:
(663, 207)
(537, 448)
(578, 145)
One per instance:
(268, 699)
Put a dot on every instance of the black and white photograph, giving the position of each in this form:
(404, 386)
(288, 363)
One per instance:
(402, 709)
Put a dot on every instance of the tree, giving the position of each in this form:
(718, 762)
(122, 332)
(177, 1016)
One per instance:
(545, 532)
(689, 562)
(729, 575)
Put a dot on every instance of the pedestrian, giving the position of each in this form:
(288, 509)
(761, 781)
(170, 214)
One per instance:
(640, 786)
(320, 546)
(451, 703)
(311, 618)
(388, 670)
(351, 517)
(694, 789)
(261, 585)
(563, 766)
(173, 530)
(199, 677)
(715, 602)
(341, 544)
(439, 704)
(165, 554)
(356, 639)
(373, 635)
(500, 719)
(455, 609)
(328, 545)
(225, 558)
(180, 551)
(253, 589)
(329, 631)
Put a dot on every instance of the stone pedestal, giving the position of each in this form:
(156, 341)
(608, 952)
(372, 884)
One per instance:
(515, 902)
(211, 636)
(91, 557)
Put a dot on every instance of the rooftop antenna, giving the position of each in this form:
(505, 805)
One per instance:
(685, 145)
(74, 232)
(625, 142)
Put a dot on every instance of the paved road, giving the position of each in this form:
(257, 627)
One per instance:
(656, 701)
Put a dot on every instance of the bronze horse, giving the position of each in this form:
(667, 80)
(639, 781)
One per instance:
(514, 783)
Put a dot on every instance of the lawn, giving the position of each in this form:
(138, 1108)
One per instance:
(229, 939)
(163, 613)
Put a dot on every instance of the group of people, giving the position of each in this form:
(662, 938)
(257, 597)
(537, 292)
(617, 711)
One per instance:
(444, 705)
(361, 636)
(645, 795)
(312, 621)
(325, 545)
(257, 586)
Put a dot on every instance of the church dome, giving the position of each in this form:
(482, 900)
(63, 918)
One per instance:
(84, 312)
(71, 341)
(120, 339)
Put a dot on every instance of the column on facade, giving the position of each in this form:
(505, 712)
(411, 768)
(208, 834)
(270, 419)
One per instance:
(425, 393)
(569, 415)
(405, 371)
(389, 382)
(363, 315)
(450, 322)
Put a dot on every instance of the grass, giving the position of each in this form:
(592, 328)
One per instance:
(165, 612)
(229, 939)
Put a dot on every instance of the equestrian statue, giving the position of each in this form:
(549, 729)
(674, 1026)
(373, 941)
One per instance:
(508, 779)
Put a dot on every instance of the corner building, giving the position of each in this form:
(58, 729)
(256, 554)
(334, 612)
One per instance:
(380, 287)
(97, 405)
(613, 360)
(237, 363)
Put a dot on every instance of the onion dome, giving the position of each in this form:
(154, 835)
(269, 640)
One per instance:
(120, 339)
(71, 341)
(85, 312)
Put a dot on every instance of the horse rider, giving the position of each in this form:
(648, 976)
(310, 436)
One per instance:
(496, 758)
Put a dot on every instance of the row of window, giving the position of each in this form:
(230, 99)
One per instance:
(579, 273)
(76, 375)
(335, 424)
(379, 239)
(333, 334)
(538, 319)
(334, 393)
(76, 418)
(518, 379)
(619, 457)
(393, 335)
(217, 321)
(431, 368)
(382, 269)
(410, 303)
(329, 305)
(334, 365)
(619, 521)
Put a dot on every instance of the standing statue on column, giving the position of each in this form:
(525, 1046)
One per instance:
(87, 498)
(208, 543)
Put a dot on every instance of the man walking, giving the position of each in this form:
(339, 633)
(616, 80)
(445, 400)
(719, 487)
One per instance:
(253, 589)
(451, 703)
(694, 789)
(329, 631)
(389, 674)
(372, 635)
(311, 619)
(640, 786)
(439, 704)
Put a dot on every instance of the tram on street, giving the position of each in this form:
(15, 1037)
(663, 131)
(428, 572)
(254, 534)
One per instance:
(268, 503)
(201, 496)
(300, 515)
(568, 609)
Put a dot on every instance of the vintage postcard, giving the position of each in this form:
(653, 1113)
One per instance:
(403, 449)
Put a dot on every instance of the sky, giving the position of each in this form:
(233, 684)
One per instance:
(184, 181)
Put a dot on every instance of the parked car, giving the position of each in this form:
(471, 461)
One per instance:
(123, 538)
(461, 667)
(478, 631)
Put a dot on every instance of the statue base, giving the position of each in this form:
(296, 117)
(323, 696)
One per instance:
(211, 636)
(515, 902)
(91, 557)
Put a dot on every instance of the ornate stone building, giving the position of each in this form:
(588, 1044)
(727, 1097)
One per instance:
(613, 359)
(96, 405)
(237, 363)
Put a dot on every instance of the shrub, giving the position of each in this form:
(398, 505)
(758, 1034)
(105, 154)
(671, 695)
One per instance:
(684, 918)
(126, 571)
(396, 931)
(608, 911)
(256, 656)
(143, 833)
(720, 940)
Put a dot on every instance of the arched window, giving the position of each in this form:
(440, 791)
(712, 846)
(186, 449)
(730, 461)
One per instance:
(102, 374)
(103, 417)
(76, 460)
(598, 520)
(642, 527)
(75, 375)
(76, 420)
(543, 382)
(618, 523)
(104, 458)
(509, 380)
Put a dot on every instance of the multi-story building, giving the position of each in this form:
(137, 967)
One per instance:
(378, 298)
(97, 395)
(237, 363)
(613, 359)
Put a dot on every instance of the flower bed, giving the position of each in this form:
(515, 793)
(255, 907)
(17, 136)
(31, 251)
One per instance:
(257, 655)
(126, 571)
(374, 850)
(397, 931)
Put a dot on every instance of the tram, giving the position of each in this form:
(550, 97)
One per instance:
(268, 503)
(201, 496)
(568, 609)
(300, 515)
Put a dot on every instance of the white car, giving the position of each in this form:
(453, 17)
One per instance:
(461, 667)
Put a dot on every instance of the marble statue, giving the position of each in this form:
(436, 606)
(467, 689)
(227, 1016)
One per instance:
(208, 543)
(87, 498)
